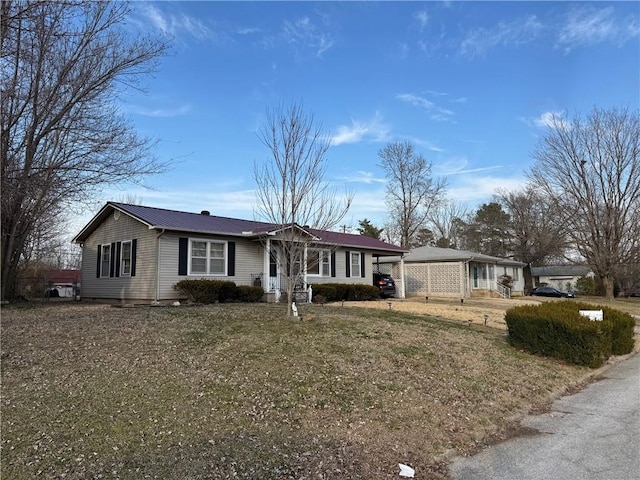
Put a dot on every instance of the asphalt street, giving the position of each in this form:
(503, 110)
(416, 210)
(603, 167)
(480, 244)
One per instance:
(591, 435)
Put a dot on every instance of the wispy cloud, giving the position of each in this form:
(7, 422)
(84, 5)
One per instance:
(302, 32)
(434, 111)
(158, 112)
(549, 119)
(363, 177)
(476, 189)
(517, 32)
(422, 17)
(587, 25)
(372, 130)
(175, 24)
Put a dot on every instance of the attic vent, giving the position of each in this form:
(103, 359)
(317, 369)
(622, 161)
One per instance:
(205, 212)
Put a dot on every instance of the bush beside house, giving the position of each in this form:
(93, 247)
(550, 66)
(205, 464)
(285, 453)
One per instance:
(214, 291)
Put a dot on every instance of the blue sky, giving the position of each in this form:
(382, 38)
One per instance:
(470, 84)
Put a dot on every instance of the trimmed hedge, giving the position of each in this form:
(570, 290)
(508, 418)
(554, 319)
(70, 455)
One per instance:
(335, 292)
(557, 329)
(212, 291)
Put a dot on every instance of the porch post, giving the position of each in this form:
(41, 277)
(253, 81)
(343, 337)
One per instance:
(304, 266)
(402, 288)
(266, 281)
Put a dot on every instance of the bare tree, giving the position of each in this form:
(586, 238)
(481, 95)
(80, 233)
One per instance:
(62, 137)
(537, 232)
(444, 220)
(412, 193)
(292, 192)
(591, 169)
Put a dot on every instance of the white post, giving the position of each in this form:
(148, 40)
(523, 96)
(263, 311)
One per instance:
(310, 294)
(402, 289)
(266, 280)
(294, 309)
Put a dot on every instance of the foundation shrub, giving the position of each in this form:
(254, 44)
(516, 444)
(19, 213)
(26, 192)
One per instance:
(336, 292)
(213, 291)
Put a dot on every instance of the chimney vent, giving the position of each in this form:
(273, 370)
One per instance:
(205, 212)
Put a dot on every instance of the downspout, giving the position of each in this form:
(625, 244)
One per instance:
(158, 266)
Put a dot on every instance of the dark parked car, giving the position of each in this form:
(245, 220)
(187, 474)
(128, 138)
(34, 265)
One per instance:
(385, 283)
(550, 292)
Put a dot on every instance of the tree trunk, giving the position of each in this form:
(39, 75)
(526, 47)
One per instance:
(607, 282)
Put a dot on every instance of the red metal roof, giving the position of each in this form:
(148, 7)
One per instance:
(160, 218)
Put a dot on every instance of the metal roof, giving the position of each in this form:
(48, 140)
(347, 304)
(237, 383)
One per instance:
(436, 254)
(173, 220)
(560, 270)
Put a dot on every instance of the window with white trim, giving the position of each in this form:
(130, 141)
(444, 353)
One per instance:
(515, 274)
(319, 263)
(125, 259)
(355, 264)
(207, 257)
(105, 261)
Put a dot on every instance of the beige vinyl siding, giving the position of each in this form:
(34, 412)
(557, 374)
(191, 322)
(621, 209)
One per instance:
(248, 261)
(141, 287)
(341, 272)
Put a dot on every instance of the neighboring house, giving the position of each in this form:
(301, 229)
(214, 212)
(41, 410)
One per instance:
(66, 282)
(562, 277)
(136, 254)
(447, 272)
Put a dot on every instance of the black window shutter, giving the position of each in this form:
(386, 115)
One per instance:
(333, 264)
(134, 244)
(99, 260)
(348, 263)
(362, 270)
(118, 253)
(183, 252)
(231, 260)
(112, 267)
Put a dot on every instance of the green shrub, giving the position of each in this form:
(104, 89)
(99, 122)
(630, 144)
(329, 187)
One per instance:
(249, 294)
(558, 330)
(336, 292)
(586, 286)
(212, 291)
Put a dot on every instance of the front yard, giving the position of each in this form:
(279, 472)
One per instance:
(237, 391)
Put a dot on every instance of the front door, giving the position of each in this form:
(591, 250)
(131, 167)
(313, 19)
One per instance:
(274, 269)
(475, 277)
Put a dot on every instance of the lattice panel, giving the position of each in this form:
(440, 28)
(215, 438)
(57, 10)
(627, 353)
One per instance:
(417, 279)
(445, 278)
(439, 278)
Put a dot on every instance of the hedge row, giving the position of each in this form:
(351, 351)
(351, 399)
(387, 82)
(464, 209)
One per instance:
(213, 291)
(335, 292)
(557, 329)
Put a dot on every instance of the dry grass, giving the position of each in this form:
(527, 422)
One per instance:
(232, 391)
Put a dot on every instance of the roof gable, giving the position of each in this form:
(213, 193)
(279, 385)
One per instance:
(173, 220)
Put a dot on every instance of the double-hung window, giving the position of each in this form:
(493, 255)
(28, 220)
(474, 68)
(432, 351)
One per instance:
(319, 263)
(355, 264)
(125, 259)
(105, 262)
(207, 257)
(515, 274)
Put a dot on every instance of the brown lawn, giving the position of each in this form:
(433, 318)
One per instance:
(237, 391)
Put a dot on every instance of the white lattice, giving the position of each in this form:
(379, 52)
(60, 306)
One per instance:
(433, 278)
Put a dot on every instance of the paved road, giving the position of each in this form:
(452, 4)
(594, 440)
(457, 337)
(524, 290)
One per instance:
(592, 435)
